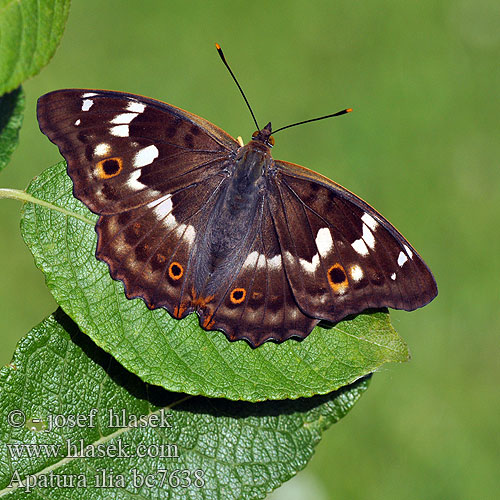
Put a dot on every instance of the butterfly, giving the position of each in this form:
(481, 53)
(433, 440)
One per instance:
(191, 220)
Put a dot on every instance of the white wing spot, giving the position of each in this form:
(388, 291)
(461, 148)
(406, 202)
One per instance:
(393, 276)
(402, 258)
(324, 241)
(88, 94)
(360, 247)
(408, 251)
(369, 221)
(119, 131)
(87, 104)
(356, 273)
(251, 260)
(133, 182)
(162, 206)
(102, 149)
(136, 107)
(78, 122)
(258, 259)
(186, 232)
(274, 262)
(310, 267)
(190, 233)
(261, 263)
(123, 118)
(146, 156)
(368, 237)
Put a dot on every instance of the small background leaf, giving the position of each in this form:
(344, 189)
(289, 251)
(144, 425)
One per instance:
(243, 450)
(30, 31)
(11, 119)
(179, 355)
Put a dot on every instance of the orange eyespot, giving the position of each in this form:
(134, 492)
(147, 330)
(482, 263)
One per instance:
(271, 140)
(110, 167)
(255, 134)
(238, 295)
(175, 271)
(337, 278)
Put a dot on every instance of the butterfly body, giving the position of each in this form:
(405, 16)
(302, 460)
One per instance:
(190, 220)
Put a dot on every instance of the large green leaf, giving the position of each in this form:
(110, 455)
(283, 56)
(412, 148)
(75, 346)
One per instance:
(11, 119)
(224, 449)
(30, 31)
(179, 355)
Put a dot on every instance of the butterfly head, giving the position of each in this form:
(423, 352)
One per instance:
(264, 135)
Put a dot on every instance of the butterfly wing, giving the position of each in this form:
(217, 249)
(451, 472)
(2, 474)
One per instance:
(256, 303)
(124, 151)
(152, 172)
(152, 248)
(340, 255)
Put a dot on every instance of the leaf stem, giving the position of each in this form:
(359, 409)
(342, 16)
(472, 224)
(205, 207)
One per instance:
(17, 194)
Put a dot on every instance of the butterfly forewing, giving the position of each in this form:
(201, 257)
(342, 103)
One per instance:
(124, 151)
(340, 255)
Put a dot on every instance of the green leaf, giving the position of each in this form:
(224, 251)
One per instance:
(225, 449)
(11, 119)
(179, 355)
(30, 31)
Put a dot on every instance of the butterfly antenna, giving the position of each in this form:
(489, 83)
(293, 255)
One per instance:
(221, 54)
(343, 112)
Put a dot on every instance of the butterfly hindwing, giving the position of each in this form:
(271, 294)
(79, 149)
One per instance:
(340, 255)
(151, 248)
(257, 303)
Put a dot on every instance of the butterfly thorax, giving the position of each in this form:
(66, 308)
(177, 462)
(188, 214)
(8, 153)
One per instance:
(251, 163)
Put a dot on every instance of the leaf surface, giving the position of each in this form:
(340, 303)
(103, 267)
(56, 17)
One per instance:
(30, 31)
(189, 447)
(11, 119)
(180, 355)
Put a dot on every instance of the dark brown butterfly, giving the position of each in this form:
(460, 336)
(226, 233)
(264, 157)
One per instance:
(190, 220)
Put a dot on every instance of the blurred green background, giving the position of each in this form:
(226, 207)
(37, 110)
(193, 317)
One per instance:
(422, 146)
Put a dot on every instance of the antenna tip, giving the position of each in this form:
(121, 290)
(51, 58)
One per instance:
(217, 46)
(348, 110)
